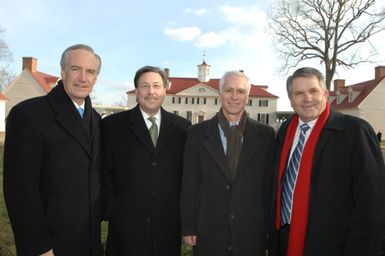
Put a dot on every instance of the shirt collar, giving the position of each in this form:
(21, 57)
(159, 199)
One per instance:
(79, 106)
(311, 123)
(146, 116)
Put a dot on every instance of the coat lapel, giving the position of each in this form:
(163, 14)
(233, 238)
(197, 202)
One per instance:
(95, 131)
(215, 148)
(137, 124)
(249, 146)
(166, 127)
(61, 105)
(334, 122)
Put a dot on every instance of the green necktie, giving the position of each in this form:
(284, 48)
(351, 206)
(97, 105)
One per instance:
(153, 130)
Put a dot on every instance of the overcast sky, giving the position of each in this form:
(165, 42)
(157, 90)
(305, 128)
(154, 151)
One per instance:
(170, 34)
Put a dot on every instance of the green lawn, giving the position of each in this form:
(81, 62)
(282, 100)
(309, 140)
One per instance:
(7, 246)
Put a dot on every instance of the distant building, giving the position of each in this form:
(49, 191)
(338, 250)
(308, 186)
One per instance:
(3, 101)
(365, 100)
(28, 84)
(105, 110)
(197, 98)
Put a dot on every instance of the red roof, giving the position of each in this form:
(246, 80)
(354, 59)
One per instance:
(46, 81)
(364, 89)
(179, 84)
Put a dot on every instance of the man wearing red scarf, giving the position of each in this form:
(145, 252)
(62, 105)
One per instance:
(336, 204)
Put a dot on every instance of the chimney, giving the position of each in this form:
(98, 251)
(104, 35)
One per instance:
(30, 63)
(167, 71)
(338, 84)
(379, 72)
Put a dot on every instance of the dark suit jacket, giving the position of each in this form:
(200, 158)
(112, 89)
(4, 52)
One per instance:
(141, 184)
(347, 190)
(228, 216)
(51, 177)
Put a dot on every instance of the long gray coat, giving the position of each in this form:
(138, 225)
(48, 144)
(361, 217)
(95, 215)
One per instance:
(229, 217)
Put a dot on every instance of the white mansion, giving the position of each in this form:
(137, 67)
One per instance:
(197, 98)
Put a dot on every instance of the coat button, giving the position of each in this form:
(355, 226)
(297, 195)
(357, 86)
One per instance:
(154, 164)
(153, 194)
(227, 187)
(148, 219)
(229, 248)
(232, 216)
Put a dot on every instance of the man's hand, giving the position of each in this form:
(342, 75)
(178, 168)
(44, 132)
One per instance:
(49, 253)
(190, 240)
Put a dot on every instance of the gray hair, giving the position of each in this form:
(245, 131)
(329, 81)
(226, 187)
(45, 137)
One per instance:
(305, 72)
(64, 56)
(228, 74)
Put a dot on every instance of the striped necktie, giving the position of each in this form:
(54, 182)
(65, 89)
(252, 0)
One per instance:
(290, 177)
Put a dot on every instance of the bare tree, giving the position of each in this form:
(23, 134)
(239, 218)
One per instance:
(331, 31)
(6, 76)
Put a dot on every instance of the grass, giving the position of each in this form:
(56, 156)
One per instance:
(7, 246)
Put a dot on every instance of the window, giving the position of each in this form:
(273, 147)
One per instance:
(263, 103)
(189, 115)
(204, 101)
(263, 118)
(173, 100)
(216, 102)
(250, 102)
(192, 100)
(197, 101)
(186, 101)
(179, 100)
(350, 95)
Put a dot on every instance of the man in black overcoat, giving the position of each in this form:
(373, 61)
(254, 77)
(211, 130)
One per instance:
(336, 201)
(52, 164)
(141, 175)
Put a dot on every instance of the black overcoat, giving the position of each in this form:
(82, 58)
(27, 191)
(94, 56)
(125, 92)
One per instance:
(52, 176)
(229, 217)
(141, 184)
(347, 191)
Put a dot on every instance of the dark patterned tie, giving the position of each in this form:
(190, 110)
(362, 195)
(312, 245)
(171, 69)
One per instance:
(290, 177)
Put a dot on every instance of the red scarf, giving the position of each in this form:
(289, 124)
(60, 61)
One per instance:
(300, 207)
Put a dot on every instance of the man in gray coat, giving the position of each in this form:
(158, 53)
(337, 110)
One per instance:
(227, 176)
